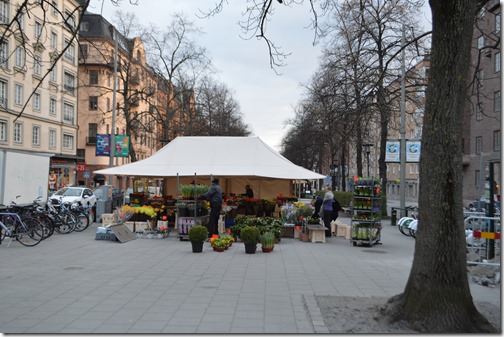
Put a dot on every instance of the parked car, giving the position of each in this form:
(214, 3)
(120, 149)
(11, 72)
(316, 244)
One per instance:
(74, 194)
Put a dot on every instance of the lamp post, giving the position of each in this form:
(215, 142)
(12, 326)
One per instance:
(112, 131)
(367, 149)
(333, 180)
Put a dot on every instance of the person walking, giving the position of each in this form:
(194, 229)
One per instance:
(214, 195)
(327, 209)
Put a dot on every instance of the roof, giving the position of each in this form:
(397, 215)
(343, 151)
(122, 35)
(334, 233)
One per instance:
(216, 156)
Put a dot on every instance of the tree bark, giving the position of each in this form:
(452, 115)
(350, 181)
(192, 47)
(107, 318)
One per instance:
(437, 296)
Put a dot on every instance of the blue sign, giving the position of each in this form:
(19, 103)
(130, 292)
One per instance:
(87, 175)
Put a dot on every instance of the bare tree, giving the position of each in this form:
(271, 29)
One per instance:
(437, 297)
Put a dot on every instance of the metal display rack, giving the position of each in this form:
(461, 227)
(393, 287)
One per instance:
(366, 212)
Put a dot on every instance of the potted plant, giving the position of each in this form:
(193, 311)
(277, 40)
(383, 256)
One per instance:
(197, 235)
(219, 244)
(267, 242)
(250, 236)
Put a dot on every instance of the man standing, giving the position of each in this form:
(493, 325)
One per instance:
(214, 195)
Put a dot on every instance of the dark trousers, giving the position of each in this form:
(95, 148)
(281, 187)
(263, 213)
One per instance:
(214, 219)
(327, 223)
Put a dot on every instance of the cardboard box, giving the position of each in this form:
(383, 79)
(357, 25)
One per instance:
(106, 236)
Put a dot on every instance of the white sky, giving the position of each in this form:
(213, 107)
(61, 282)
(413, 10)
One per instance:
(266, 99)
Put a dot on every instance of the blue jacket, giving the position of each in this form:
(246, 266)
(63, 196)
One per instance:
(214, 195)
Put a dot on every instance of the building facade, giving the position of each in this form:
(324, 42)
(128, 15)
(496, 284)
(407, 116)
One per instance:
(38, 79)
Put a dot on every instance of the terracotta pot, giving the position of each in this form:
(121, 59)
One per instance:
(267, 250)
(219, 249)
(304, 237)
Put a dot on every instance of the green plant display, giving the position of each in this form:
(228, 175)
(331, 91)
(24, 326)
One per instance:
(250, 235)
(268, 240)
(198, 233)
(193, 190)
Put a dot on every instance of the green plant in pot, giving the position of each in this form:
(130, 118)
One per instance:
(197, 235)
(267, 242)
(250, 236)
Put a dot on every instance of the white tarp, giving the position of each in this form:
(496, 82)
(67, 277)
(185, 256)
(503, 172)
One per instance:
(215, 156)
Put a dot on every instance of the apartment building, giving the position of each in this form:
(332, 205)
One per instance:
(38, 78)
(139, 93)
(482, 116)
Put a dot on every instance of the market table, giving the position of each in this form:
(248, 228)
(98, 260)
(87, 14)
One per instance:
(316, 233)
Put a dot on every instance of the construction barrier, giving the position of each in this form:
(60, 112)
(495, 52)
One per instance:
(483, 239)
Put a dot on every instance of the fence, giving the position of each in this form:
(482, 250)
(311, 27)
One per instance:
(482, 238)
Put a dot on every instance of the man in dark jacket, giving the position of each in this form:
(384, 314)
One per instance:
(317, 204)
(214, 195)
(336, 208)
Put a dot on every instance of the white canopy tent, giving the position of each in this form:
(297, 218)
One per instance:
(237, 161)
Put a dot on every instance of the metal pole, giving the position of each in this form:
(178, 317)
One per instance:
(403, 130)
(368, 163)
(112, 131)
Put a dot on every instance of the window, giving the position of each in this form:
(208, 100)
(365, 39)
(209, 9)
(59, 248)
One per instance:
(84, 27)
(69, 20)
(37, 64)
(68, 141)
(3, 130)
(4, 55)
(53, 75)
(20, 57)
(83, 51)
(68, 113)
(497, 101)
(479, 111)
(108, 104)
(36, 101)
(18, 94)
(52, 106)
(93, 102)
(54, 8)
(54, 40)
(92, 132)
(479, 145)
(21, 17)
(38, 30)
(69, 52)
(481, 42)
(4, 12)
(497, 62)
(36, 135)
(52, 138)
(3, 94)
(497, 23)
(69, 83)
(497, 140)
(18, 133)
(93, 77)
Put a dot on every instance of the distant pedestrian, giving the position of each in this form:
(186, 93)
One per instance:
(317, 203)
(327, 209)
(249, 193)
(214, 195)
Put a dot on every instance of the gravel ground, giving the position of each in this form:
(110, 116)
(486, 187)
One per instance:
(356, 315)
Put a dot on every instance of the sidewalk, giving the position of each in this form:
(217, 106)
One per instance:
(75, 284)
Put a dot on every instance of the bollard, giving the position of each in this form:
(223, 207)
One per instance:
(393, 220)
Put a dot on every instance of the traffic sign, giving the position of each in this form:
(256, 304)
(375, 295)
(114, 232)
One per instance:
(81, 167)
(87, 175)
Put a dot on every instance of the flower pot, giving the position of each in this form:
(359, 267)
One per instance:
(197, 247)
(150, 236)
(267, 250)
(304, 237)
(250, 248)
(219, 249)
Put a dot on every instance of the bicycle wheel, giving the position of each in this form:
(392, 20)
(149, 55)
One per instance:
(48, 225)
(29, 232)
(10, 224)
(82, 221)
(403, 225)
(65, 223)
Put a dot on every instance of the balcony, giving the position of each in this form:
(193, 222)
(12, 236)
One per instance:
(91, 140)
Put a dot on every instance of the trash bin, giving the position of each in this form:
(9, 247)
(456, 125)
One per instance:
(393, 220)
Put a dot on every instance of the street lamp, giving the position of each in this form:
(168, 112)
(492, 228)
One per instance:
(367, 149)
(333, 174)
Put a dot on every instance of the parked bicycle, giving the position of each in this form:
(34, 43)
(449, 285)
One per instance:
(408, 225)
(28, 232)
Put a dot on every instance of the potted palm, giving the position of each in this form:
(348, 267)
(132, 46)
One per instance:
(197, 235)
(250, 236)
(267, 242)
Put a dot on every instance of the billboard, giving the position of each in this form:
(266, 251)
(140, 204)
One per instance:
(121, 145)
(392, 151)
(412, 151)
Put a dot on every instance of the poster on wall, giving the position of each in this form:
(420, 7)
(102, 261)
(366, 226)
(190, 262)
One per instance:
(103, 145)
(121, 146)
(392, 151)
(413, 151)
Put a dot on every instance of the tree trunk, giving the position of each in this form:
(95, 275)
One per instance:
(437, 296)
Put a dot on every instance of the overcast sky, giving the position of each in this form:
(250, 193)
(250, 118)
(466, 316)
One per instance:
(266, 99)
